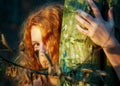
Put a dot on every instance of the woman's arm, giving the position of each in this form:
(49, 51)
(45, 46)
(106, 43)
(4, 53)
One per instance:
(113, 54)
(101, 32)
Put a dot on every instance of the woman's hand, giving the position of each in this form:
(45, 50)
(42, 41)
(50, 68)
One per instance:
(101, 32)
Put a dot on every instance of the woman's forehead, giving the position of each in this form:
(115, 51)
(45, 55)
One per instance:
(35, 33)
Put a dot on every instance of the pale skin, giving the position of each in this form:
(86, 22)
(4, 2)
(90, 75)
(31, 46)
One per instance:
(101, 32)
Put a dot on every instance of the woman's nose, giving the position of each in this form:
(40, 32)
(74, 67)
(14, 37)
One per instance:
(37, 47)
(42, 47)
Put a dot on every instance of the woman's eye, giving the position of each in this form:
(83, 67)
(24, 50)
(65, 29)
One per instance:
(36, 44)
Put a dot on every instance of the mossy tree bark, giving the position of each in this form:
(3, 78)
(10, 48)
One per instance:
(77, 49)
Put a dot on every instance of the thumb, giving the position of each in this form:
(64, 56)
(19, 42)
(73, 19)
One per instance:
(110, 16)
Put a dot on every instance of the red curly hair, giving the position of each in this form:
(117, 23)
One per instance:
(49, 18)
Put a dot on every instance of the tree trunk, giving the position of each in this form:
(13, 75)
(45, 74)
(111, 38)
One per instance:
(78, 53)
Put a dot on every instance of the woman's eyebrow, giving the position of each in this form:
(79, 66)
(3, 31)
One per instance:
(34, 42)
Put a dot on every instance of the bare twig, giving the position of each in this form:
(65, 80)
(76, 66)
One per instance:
(4, 42)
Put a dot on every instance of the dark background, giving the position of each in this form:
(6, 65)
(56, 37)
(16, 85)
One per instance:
(12, 15)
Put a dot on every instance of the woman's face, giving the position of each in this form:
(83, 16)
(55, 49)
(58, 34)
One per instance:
(38, 45)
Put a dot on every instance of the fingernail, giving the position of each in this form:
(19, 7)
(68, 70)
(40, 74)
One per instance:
(79, 11)
(89, 0)
(111, 8)
(76, 16)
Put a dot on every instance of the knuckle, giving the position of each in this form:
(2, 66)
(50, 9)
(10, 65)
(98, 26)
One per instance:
(83, 23)
(97, 26)
(92, 35)
(87, 16)
(95, 9)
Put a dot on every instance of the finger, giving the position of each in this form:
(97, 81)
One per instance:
(86, 16)
(95, 9)
(83, 31)
(110, 17)
(82, 22)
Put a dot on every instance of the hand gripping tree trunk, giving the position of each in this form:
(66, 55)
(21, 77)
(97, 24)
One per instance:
(80, 58)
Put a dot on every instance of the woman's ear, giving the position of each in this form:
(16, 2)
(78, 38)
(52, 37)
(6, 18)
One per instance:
(21, 46)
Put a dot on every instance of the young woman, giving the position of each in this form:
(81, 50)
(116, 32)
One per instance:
(41, 37)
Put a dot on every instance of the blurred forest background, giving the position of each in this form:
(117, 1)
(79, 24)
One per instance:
(12, 15)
